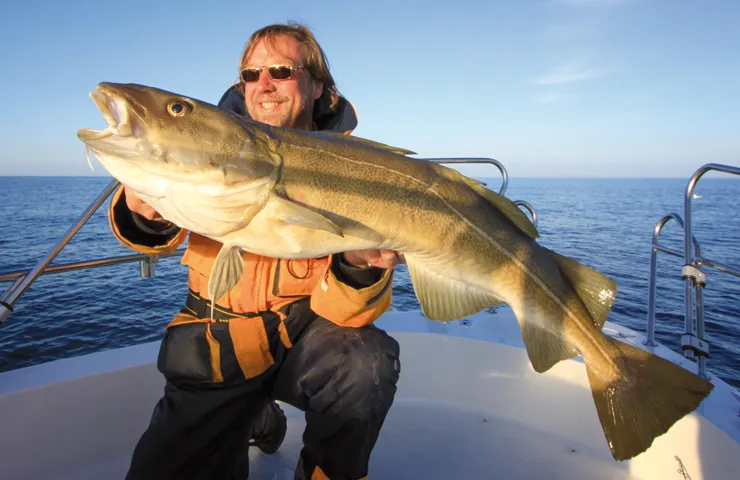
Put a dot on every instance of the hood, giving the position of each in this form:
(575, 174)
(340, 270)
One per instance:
(344, 120)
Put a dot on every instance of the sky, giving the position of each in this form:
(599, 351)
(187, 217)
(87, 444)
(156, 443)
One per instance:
(551, 88)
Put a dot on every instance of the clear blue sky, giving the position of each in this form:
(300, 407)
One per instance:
(595, 88)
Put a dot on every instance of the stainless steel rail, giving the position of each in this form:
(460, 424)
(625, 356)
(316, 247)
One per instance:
(504, 174)
(147, 271)
(499, 165)
(692, 341)
(24, 279)
(21, 284)
(656, 247)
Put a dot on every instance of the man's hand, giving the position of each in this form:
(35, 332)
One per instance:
(387, 259)
(137, 205)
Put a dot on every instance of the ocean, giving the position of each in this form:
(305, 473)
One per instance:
(604, 223)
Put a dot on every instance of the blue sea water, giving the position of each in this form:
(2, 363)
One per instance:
(604, 223)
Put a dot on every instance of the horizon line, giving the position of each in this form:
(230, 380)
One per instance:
(731, 177)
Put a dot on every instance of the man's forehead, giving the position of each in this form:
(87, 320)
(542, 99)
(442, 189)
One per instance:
(278, 48)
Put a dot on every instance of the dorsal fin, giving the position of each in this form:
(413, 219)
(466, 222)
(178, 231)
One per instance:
(597, 291)
(363, 141)
(503, 204)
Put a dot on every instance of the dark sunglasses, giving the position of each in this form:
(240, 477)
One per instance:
(277, 72)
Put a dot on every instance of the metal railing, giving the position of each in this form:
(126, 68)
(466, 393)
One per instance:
(692, 341)
(24, 279)
(504, 174)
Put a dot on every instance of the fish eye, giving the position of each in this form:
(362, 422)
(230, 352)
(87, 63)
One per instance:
(178, 108)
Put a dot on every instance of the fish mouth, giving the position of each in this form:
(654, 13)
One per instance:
(117, 111)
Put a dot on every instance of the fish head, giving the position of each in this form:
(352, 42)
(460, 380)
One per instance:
(155, 134)
(203, 168)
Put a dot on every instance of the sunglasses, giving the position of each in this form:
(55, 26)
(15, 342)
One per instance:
(277, 72)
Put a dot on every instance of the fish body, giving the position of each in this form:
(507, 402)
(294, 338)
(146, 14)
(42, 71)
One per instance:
(286, 193)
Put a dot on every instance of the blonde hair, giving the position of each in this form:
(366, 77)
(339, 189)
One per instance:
(315, 61)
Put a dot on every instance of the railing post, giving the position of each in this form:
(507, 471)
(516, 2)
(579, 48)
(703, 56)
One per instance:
(702, 360)
(651, 298)
(530, 208)
(5, 311)
(146, 266)
(693, 345)
(655, 247)
(692, 340)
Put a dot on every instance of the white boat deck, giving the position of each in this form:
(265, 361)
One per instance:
(468, 406)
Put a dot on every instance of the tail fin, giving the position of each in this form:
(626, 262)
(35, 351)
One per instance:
(644, 401)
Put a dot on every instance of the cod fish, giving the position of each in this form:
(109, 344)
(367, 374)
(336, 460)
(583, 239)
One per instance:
(286, 193)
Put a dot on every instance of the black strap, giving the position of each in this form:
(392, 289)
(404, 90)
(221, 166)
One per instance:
(201, 308)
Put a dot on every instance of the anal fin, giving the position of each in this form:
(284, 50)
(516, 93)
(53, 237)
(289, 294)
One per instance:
(545, 348)
(443, 298)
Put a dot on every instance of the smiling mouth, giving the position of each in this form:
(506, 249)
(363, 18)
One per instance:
(270, 105)
(116, 111)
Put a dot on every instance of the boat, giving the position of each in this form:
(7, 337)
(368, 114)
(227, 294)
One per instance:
(468, 406)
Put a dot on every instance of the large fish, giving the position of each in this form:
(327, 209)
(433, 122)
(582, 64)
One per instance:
(294, 194)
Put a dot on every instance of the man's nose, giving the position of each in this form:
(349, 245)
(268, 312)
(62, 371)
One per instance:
(265, 82)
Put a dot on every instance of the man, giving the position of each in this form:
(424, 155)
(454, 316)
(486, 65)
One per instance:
(298, 331)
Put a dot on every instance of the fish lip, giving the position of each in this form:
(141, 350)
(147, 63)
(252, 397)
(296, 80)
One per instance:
(117, 112)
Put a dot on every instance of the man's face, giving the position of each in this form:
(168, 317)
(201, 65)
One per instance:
(283, 103)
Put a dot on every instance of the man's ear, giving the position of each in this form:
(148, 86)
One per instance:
(318, 89)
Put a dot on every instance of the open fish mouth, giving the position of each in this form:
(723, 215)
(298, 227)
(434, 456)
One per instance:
(117, 112)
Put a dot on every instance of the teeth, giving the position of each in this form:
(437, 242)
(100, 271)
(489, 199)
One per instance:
(269, 105)
(118, 109)
(102, 104)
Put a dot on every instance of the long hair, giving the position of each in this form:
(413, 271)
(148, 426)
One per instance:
(316, 62)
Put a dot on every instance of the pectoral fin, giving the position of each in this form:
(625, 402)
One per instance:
(443, 298)
(226, 272)
(254, 209)
(296, 214)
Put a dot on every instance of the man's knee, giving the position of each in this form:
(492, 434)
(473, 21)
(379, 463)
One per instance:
(371, 361)
(366, 372)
